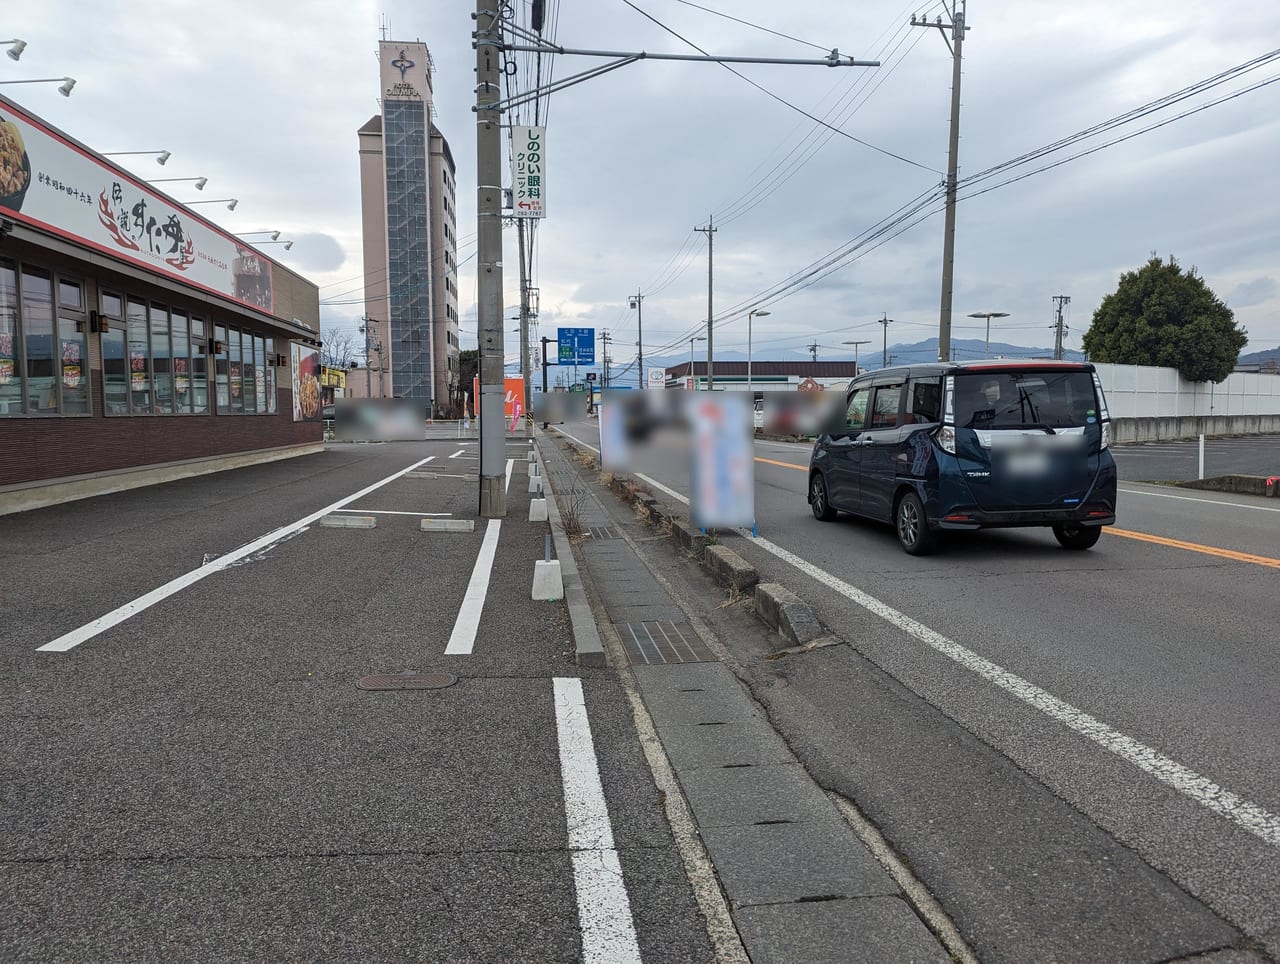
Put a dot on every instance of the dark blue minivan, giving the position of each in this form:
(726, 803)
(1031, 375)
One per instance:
(971, 445)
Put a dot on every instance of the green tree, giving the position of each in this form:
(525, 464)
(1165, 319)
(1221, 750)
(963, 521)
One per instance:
(1162, 315)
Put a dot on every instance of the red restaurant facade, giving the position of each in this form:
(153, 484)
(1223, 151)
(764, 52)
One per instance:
(139, 342)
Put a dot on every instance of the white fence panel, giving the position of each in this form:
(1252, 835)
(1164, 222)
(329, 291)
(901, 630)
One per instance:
(1141, 391)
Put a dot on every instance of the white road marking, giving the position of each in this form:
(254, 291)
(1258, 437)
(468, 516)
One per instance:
(510, 465)
(604, 910)
(116, 616)
(457, 453)
(1192, 498)
(391, 512)
(1199, 788)
(578, 440)
(463, 638)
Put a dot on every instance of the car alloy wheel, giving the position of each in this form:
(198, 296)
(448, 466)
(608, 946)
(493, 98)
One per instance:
(914, 534)
(818, 500)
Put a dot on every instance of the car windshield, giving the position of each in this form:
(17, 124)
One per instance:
(1034, 399)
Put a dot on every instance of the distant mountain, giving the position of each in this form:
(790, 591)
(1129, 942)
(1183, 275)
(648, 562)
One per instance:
(1258, 357)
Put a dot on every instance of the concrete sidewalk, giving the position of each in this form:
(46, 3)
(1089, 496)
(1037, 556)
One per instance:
(799, 883)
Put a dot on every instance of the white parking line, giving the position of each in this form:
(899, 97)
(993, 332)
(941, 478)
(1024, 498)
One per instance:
(1192, 498)
(510, 465)
(457, 453)
(1199, 788)
(463, 638)
(392, 512)
(116, 616)
(604, 910)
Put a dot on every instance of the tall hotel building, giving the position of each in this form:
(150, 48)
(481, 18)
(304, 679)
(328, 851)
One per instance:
(407, 191)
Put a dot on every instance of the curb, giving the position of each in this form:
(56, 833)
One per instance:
(588, 649)
(1238, 484)
(774, 605)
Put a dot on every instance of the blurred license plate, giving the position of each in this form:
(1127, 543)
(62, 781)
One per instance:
(1027, 463)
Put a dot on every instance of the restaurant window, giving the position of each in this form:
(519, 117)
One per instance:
(70, 294)
(139, 341)
(250, 373)
(10, 343)
(199, 367)
(115, 368)
(236, 405)
(271, 376)
(259, 375)
(181, 340)
(161, 360)
(73, 366)
(37, 330)
(222, 369)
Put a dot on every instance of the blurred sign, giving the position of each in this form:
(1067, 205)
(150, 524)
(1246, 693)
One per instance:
(808, 385)
(657, 378)
(723, 471)
(591, 376)
(528, 171)
(577, 346)
(514, 389)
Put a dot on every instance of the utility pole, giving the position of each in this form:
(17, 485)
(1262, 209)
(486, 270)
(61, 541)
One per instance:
(605, 338)
(637, 302)
(1061, 301)
(884, 352)
(545, 341)
(709, 231)
(488, 43)
(955, 45)
(525, 368)
(813, 350)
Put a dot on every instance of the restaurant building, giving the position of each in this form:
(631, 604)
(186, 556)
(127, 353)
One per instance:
(139, 342)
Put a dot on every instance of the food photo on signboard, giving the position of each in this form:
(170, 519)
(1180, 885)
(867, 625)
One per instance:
(305, 371)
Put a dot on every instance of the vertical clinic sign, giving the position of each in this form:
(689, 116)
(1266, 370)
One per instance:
(528, 167)
(48, 181)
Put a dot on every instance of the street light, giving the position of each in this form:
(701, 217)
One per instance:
(15, 51)
(199, 185)
(691, 341)
(275, 235)
(287, 244)
(989, 315)
(65, 83)
(231, 203)
(752, 314)
(855, 345)
(161, 156)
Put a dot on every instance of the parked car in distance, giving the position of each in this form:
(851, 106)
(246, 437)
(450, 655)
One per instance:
(971, 445)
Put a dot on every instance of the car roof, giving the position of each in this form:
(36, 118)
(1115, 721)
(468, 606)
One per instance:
(982, 364)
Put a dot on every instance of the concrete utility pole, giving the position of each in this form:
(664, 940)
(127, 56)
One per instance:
(488, 44)
(709, 231)
(605, 338)
(637, 302)
(955, 44)
(525, 367)
(1061, 301)
(813, 350)
(884, 352)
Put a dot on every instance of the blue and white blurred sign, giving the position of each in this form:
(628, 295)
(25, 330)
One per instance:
(577, 346)
(723, 468)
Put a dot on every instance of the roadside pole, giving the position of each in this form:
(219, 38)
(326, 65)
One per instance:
(488, 44)
(525, 367)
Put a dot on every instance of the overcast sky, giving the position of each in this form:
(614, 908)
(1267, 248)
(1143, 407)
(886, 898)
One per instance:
(264, 99)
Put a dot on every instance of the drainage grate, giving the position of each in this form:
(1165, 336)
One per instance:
(407, 681)
(602, 532)
(663, 641)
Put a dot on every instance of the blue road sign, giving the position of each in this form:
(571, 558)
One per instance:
(577, 346)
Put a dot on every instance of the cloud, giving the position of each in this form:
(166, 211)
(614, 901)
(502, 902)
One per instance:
(1255, 292)
(316, 252)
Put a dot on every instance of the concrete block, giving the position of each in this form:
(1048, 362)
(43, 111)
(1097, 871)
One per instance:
(783, 610)
(729, 568)
(533, 456)
(532, 469)
(535, 483)
(548, 584)
(537, 510)
(337, 520)
(448, 525)
(689, 537)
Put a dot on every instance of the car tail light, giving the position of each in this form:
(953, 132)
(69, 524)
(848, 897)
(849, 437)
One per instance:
(1106, 433)
(946, 437)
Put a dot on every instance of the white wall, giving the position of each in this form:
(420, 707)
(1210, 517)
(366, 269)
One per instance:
(1139, 391)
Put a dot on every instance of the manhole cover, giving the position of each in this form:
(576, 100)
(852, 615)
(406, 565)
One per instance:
(407, 681)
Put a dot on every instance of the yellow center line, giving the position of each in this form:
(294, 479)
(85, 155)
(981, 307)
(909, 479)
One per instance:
(785, 465)
(1196, 547)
